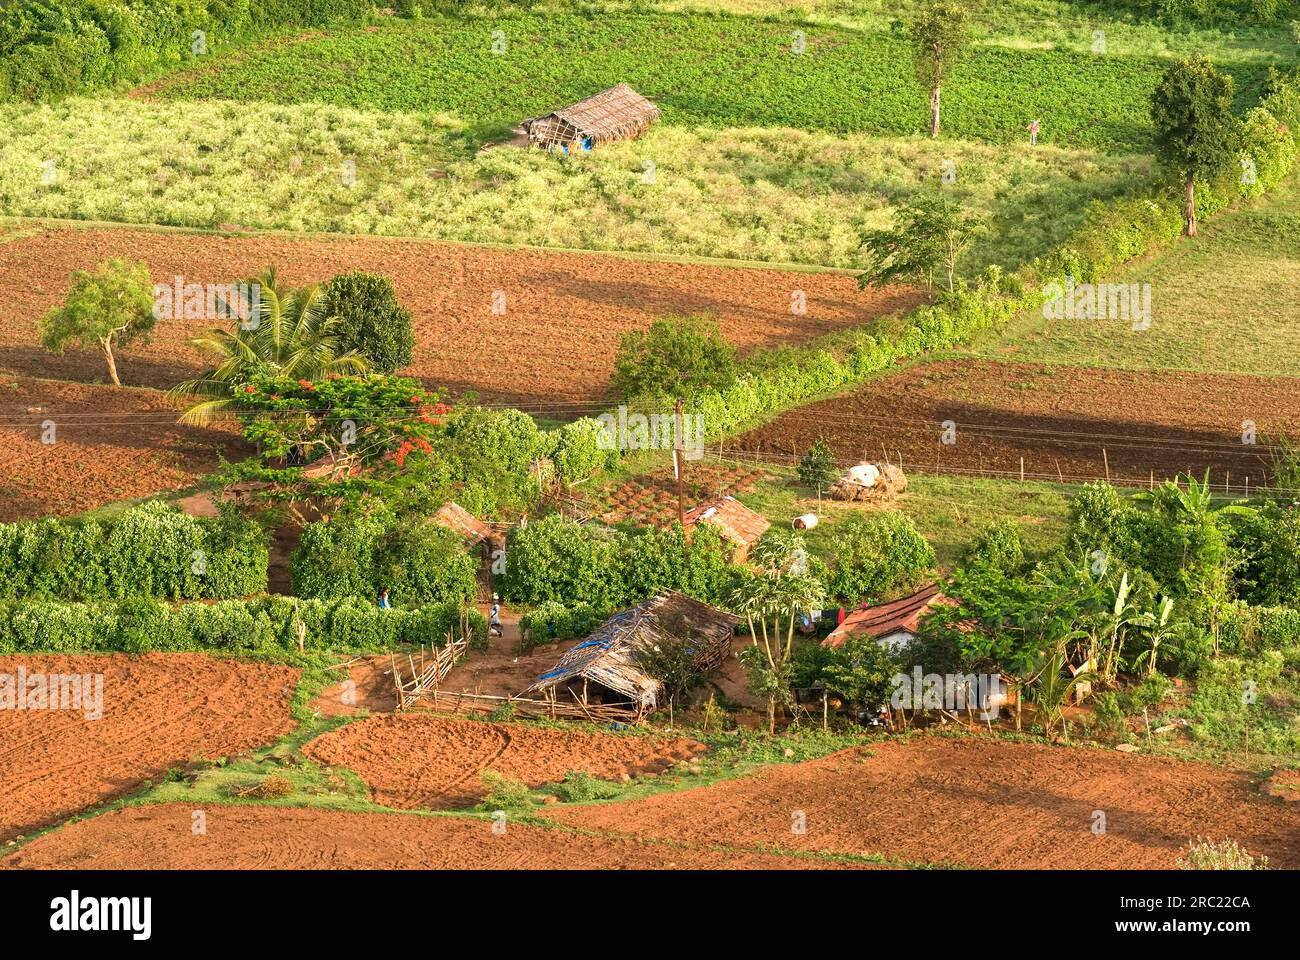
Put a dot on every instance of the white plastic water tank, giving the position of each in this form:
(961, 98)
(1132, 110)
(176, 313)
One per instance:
(806, 522)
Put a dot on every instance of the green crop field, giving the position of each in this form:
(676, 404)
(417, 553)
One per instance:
(703, 70)
(776, 195)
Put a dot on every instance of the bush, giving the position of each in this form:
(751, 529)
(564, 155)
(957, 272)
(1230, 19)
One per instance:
(876, 553)
(579, 786)
(140, 625)
(358, 555)
(1225, 854)
(817, 466)
(998, 546)
(51, 48)
(553, 621)
(581, 450)
(151, 550)
(504, 793)
(371, 320)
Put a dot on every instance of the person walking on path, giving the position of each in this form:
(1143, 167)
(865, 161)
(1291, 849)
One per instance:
(494, 617)
(384, 603)
(1033, 132)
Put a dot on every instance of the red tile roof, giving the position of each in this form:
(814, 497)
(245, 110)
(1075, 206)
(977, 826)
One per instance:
(886, 618)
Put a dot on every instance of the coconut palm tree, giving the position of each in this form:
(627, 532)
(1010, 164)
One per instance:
(288, 333)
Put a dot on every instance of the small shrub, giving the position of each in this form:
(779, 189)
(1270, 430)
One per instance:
(1225, 854)
(504, 793)
(875, 553)
(579, 786)
(817, 466)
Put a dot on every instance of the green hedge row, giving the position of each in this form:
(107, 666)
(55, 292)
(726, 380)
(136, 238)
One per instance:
(417, 560)
(553, 620)
(151, 550)
(269, 624)
(1252, 629)
(52, 48)
(557, 560)
(1112, 234)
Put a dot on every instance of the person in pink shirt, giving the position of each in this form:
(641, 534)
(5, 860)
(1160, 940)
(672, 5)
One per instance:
(1033, 133)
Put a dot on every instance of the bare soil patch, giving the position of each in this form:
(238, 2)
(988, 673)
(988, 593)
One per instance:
(109, 444)
(159, 711)
(564, 313)
(975, 801)
(259, 837)
(432, 761)
(1074, 422)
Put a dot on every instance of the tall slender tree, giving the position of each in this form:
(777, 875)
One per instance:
(938, 34)
(1196, 133)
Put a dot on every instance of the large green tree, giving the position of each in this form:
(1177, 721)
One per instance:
(290, 333)
(929, 234)
(938, 33)
(107, 307)
(371, 320)
(1196, 132)
(676, 358)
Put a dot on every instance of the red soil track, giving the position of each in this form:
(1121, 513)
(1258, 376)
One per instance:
(1055, 417)
(564, 312)
(976, 802)
(111, 444)
(159, 711)
(429, 761)
(256, 837)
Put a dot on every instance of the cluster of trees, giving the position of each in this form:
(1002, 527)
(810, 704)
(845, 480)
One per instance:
(1165, 581)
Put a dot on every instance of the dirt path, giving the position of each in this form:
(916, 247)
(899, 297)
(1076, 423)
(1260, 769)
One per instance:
(1078, 421)
(557, 337)
(436, 762)
(255, 837)
(159, 711)
(976, 802)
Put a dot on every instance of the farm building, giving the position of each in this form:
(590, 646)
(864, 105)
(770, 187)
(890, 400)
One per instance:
(619, 113)
(739, 525)
(460, 521)
(893, 624)
(603, 668)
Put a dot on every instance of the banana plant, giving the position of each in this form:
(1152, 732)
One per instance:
(1050, 689)
(1158, 629)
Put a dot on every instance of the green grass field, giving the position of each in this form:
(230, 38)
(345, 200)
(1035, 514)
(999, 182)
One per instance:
(776, 195)
(1228, 301)
(703, 70)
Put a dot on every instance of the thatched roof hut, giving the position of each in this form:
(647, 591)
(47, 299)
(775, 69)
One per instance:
(619, 113)
(460, 521)
(739, 525)
(608, 658)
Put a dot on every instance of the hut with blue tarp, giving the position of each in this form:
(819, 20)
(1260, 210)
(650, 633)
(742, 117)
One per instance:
(604, 668)
(619, 113)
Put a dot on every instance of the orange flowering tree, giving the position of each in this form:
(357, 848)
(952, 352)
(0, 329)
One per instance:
(374, 417)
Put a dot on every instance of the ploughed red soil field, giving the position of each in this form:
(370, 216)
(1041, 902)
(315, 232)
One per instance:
(557, 337)
(973, 801)
(159, 710)
(109, 444)
(1071, 422)
(256, 837)
(432, 761)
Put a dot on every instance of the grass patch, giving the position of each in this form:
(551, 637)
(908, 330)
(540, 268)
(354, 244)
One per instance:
(702, 69)
(1225, 302)
(774, 195)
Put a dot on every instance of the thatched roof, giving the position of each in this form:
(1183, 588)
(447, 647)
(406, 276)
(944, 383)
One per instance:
(459, 520)
(609, 656)
(614, 114)
(737, 523)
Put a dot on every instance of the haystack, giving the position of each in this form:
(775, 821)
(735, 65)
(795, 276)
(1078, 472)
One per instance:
(869, 481)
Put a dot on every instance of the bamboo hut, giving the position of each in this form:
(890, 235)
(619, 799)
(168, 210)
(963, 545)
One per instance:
(619, 113)
(603, 668)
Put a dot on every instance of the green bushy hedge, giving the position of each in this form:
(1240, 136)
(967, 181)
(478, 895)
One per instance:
(568, 622)
(268, 624)
(51, 48)
(151, 550)
(418, 561)
(877, 553)
(568, 563)
(1253, 629)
